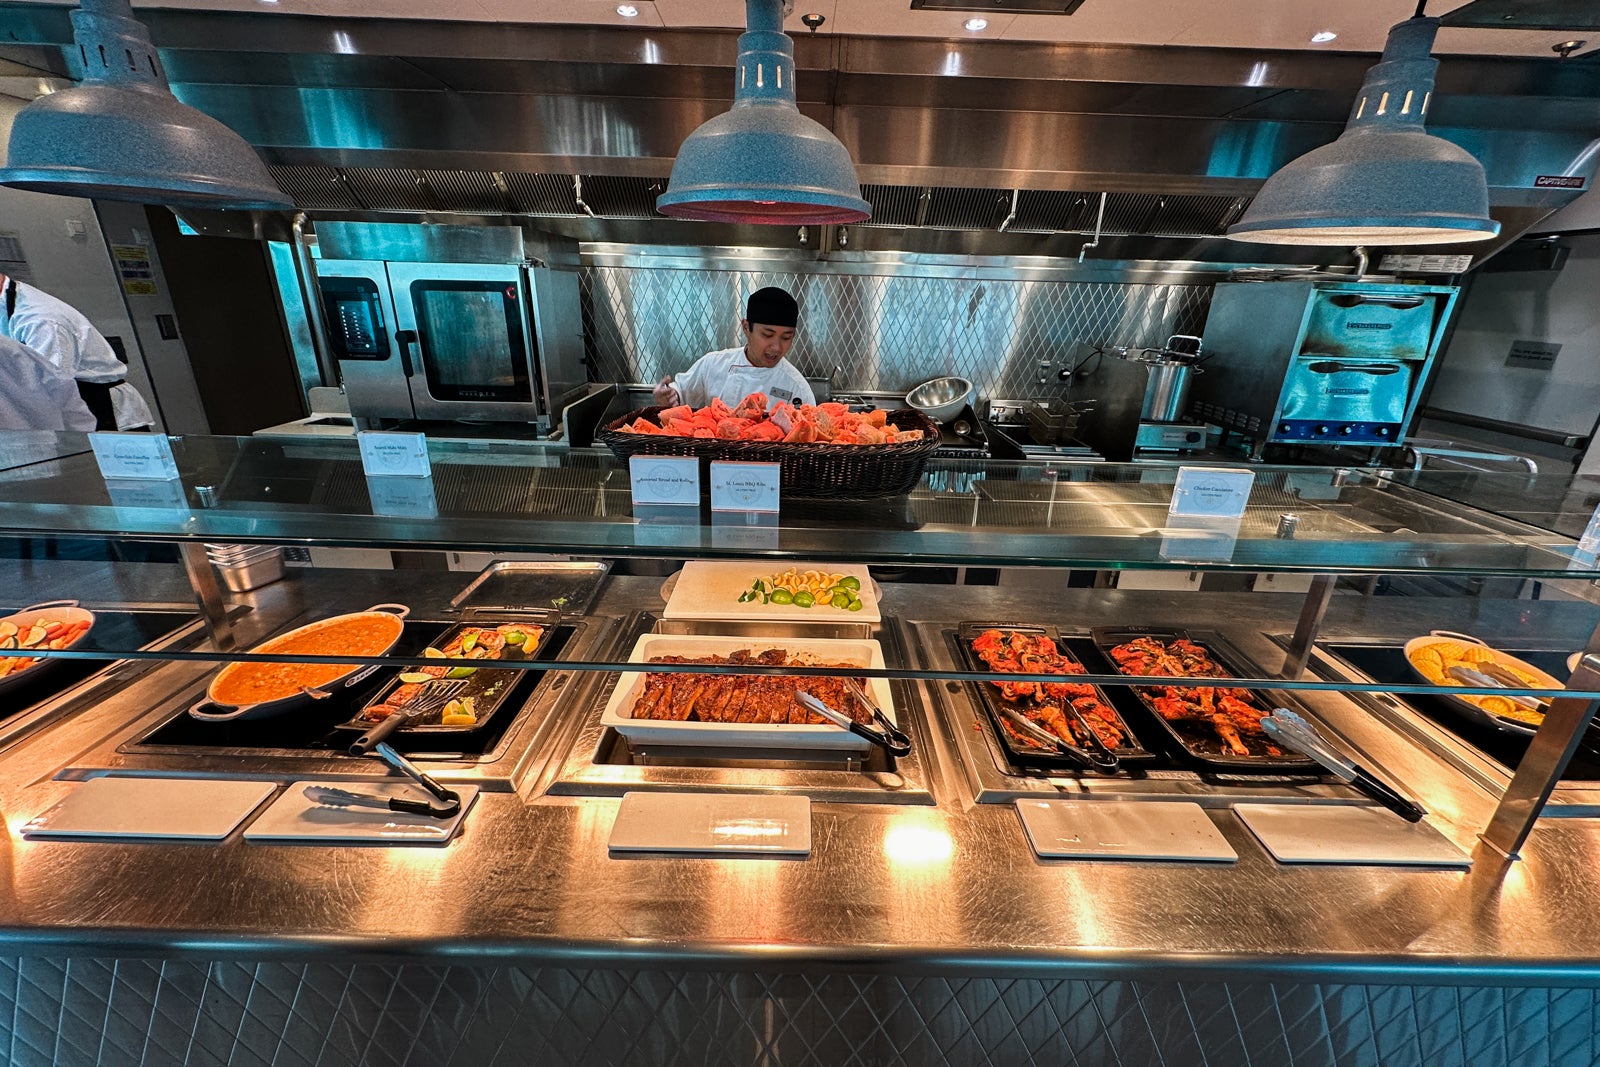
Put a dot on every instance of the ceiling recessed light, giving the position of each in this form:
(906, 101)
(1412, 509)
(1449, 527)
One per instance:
(1323, 36)
(975, 25)
(627, 11)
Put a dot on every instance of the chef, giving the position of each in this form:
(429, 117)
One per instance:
(36, 395)
(732, 374)
(60, 333)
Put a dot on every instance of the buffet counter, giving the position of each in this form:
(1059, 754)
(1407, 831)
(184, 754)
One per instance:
(921, 927)
(946, 888)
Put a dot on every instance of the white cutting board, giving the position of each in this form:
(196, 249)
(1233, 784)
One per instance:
(1157, 830)
(618, 713)
(713, 823)
(1321, 833)
(709, 589)
(296, 819)
(195, 809)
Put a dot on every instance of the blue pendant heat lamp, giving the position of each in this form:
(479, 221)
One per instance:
(763, 161)
(1386, 180)
(122, 135)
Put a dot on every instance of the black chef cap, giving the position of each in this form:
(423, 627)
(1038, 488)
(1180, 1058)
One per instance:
(772, 307)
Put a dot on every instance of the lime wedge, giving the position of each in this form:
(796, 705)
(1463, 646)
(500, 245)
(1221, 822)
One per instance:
(461, 672)
(415, 677)
(433, 653)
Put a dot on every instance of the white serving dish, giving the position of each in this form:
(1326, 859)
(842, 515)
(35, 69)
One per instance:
(709, 589)
(742, 734)
(1483, 716)
(66, 611)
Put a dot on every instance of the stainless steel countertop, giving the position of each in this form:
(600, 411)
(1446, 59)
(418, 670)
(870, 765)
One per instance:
(947, 888)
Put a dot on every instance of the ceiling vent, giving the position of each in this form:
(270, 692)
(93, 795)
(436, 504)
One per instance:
(1526, 15)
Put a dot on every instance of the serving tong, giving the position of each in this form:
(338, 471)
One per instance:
(889, 737)
(1491, 675)
(1095, 758)
(438, 693)
(1287, 728)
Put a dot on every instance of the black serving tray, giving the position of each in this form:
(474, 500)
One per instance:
(1198, 743)
(1020, 751)
(490, 689)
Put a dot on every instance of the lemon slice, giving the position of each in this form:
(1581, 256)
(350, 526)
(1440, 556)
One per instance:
(433, 653)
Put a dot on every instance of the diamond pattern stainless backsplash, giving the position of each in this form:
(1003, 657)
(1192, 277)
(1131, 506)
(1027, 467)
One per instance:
(883, 332)
(152, 1013)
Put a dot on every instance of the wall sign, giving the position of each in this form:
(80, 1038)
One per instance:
(133, 267)
(13, 263)
(1534, 355)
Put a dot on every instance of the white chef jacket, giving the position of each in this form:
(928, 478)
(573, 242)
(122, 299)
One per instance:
(36, 395)
(59, 332)
(729, 375)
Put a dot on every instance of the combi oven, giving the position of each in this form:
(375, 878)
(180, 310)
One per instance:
(418, 335)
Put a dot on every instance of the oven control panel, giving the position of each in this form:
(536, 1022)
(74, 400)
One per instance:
(1364, 433)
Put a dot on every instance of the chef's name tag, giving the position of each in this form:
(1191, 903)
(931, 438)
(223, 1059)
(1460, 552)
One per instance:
(745, 486)
(134, 455)
(1210, 492)
(394, 454)
(665, 480)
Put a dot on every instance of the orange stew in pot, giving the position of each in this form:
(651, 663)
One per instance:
(367, 634)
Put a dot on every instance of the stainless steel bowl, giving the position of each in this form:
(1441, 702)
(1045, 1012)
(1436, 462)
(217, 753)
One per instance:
(941, 399)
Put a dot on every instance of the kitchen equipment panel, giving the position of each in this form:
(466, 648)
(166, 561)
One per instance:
(1297, 362)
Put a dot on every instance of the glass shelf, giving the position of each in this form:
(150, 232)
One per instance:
(530, 497)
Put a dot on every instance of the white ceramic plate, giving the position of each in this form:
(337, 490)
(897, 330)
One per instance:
(742, 734)
(1341, 833)
(712, 822)
(1094, 829)
(709, 589)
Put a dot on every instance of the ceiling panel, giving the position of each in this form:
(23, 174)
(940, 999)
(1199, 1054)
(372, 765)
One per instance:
(893, 18)
(1267, 24)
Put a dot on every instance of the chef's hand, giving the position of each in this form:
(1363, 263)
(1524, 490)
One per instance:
(667, 393)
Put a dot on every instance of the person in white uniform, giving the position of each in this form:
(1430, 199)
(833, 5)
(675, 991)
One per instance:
(770, 321)
(60, 333)
(36, 395)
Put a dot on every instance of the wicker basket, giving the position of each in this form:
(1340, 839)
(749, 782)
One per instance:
(812, 471)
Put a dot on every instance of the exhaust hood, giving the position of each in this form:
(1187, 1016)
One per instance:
(481, 119)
